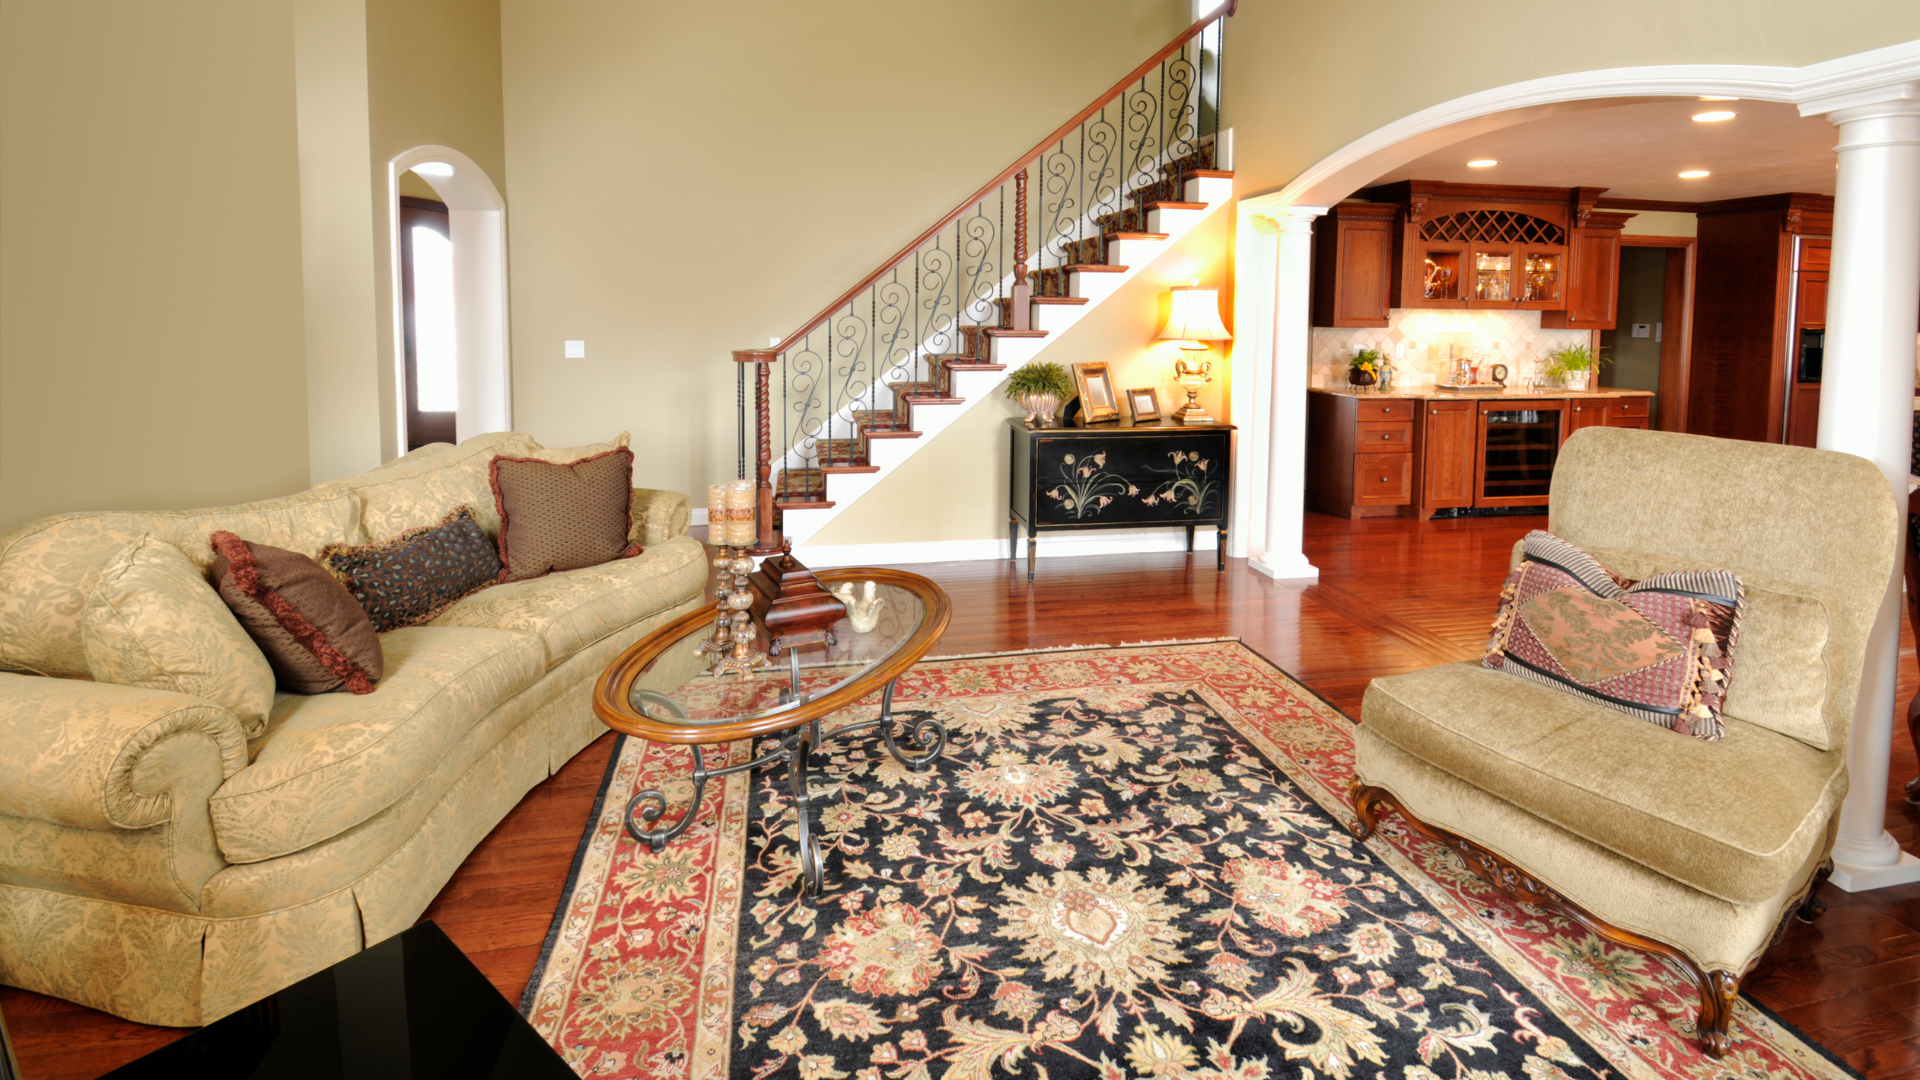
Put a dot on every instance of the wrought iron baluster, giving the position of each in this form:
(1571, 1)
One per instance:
(740, 410)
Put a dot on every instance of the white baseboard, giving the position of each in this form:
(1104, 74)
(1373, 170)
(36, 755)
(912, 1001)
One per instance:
(699, 516)
(1052, 545)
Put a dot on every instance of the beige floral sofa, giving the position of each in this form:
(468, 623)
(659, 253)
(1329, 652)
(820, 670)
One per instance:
(158, 864)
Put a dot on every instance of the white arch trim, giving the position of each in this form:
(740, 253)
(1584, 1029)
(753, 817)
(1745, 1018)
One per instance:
(477, 220)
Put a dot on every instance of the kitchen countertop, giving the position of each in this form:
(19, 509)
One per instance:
(1426, 392)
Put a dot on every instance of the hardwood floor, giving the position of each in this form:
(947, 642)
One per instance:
(1394, 595)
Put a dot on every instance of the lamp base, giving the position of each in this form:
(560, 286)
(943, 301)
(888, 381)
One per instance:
(1192, 414)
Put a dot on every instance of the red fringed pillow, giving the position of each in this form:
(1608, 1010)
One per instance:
(1659, 649)
(563, 516)
(316, 636)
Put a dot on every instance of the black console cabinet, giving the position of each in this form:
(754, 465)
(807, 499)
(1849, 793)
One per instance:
(1118, 475)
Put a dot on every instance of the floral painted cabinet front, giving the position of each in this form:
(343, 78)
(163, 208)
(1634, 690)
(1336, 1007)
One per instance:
(1122, 476)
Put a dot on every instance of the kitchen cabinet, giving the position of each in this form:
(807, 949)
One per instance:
(1483, 246)
(1760, 275)
(1353, 264)
(1359, 454)
(1593, 275)
(1371, 456)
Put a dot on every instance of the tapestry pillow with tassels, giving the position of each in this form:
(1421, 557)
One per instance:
(315, 635)
(1659, 649)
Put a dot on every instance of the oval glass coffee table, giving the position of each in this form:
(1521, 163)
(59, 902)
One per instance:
(660, 690)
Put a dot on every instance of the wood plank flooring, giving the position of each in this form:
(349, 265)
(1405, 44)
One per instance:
(1394, 595)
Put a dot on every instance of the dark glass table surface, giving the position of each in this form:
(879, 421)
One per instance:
(412, 1007)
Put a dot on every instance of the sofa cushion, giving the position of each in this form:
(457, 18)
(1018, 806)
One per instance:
(408, 580)
(312, 630)
(1659, 649)
(153, 621)
(1732, 818)
(423, 487)
(575, 608)
(331, 761)
(563, 516)
(48, 567)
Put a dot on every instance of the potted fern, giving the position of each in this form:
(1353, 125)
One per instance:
(1040, 389)
(1574, 366)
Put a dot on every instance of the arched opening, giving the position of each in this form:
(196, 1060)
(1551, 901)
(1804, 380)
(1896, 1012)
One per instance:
(441, 357)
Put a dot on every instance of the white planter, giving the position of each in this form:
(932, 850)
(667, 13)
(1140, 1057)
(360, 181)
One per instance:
(1577, 380)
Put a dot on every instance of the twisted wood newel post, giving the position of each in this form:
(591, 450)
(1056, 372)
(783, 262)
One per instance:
(761, 359)
(1022, 291)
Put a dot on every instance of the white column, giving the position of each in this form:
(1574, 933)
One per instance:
(1281, 554)
(1866, 408)
(1255, 247)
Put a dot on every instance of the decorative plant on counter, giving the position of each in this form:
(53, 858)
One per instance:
(1573, 365)
(1364, 368)
(1040, 388)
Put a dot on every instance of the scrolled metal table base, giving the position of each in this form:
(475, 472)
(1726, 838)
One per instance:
(797, 752)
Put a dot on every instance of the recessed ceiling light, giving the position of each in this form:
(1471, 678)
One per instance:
(1714, 116)
(1716, 97)
(436, 169)
(1694, 174)
(1482, 163)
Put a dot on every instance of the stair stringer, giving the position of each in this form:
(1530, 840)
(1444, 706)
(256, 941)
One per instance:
(845, 489)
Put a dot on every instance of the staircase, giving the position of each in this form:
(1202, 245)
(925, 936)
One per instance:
(933, 332)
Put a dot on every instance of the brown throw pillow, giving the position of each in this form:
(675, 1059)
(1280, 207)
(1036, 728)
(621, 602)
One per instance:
(563, 517)
(314, 633)
(414, 577)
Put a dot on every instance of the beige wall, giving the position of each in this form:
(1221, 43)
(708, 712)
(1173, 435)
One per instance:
(955, 488)
(433, 78)
(1304, 79)
(151, 351)
(689, 179)
(1662, 223)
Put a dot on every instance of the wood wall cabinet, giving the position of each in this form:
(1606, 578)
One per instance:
(1353, 264)
(1593, 273)
(1427, 244)
(1755, 273)
(1810, 343)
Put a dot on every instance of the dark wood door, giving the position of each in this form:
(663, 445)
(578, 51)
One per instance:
(1447, 456)
(1585, 414)
(423, 426)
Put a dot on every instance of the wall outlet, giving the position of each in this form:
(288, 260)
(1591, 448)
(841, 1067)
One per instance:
(576, 350)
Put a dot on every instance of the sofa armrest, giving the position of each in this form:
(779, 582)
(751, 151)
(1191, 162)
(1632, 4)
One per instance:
(98, 756)
(658, 516)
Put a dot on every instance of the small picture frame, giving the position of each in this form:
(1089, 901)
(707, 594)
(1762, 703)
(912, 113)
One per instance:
(1097, 399)
(1145, 403)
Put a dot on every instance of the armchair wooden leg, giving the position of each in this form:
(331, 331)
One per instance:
(1717, 996)
(1812, 907)
(1366, 806)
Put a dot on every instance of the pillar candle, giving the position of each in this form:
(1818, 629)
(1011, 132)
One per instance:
(740, 517)
(717, 531)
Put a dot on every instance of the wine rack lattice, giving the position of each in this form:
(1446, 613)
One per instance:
(1499, 226)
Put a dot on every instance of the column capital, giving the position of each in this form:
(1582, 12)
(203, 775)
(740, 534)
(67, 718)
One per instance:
(1289, 219)
(1865, 102)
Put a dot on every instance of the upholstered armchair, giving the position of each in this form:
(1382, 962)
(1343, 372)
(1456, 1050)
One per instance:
(1698, 851)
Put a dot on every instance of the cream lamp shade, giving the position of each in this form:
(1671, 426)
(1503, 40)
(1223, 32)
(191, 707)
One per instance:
(1193, 319)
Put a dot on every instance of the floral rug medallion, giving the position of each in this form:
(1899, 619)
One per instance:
(1105, 876)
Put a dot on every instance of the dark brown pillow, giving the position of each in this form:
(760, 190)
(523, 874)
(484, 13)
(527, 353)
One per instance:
(563, 517)
(420, 573)
(315, 635)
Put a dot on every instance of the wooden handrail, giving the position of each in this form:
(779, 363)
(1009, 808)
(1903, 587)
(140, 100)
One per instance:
(1008, 173)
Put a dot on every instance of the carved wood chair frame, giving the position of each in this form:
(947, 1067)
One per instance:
(1717, 988)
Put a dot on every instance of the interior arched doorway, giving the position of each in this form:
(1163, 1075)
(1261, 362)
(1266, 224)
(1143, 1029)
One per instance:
(477, 228)
(1873, 101)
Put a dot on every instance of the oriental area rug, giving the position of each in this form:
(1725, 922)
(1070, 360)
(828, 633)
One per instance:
(1131, 862)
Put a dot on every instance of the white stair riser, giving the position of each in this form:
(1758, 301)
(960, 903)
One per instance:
(1096, 287)
(1212, 190)
(1054, 318)
(1173, 221)
(1014, 351)
(1135, 252)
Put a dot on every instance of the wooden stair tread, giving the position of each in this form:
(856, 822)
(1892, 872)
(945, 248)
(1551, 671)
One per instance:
(892, 433)
(994, 331)
(1176, 206)
(1218, 174)
(832, 469)
(1097, 268)
(802, 504)
(1139, 235)
(974, 365)
(1074, 300)
(935, 399)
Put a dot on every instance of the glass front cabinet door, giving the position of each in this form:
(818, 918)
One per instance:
(1491, 274)
(1440, 276)
(1542, 278)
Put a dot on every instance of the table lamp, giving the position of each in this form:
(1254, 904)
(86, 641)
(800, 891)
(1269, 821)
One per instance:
(1193, 319)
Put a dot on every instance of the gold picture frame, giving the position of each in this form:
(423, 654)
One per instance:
(1144, 402)
(1097, 399)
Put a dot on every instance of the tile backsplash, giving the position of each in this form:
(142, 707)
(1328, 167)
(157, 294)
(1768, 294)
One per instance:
(1513, 338)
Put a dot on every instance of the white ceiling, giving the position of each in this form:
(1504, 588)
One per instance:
(1635, 151)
